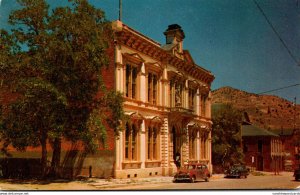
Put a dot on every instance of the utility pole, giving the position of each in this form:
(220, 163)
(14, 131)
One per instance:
(296, 133)
(295, 114)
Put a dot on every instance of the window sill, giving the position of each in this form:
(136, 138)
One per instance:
(154, 163)
(131, 165)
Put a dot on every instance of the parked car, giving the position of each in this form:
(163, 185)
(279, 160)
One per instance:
(237, 171)
(297, 174)
(192, 172)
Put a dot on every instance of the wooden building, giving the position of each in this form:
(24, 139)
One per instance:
(263, 149)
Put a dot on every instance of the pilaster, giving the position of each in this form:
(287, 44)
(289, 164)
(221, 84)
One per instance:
(165, 147)
(142, 144)
(143, 90)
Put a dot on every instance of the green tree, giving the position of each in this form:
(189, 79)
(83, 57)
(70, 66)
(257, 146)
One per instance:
(226, 135)
(57, 78)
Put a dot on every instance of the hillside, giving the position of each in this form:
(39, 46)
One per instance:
(267, 111)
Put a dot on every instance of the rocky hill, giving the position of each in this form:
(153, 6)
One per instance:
(266, 111)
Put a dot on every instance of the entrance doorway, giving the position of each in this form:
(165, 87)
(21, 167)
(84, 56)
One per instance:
(176, 142)
(260, 163)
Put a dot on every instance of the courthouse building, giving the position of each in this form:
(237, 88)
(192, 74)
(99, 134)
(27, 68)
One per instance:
(168, 102)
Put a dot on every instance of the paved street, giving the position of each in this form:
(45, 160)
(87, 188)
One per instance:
(269, 181)
(283, 181)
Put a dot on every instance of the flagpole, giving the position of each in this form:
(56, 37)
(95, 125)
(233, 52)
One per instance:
(120, 10)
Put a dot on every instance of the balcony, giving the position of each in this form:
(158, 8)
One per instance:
(179, 109)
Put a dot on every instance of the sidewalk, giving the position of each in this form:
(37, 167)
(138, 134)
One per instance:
(115, 183)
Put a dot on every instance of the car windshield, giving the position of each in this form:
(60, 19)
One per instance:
(194, 167)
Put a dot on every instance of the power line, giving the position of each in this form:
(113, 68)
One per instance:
(277, 34)
(264, 92)
(278, 89)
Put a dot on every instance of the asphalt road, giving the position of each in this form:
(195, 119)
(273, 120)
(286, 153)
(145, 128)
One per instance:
(284, 181)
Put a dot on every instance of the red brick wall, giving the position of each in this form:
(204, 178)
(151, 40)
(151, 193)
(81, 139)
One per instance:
(108, 73)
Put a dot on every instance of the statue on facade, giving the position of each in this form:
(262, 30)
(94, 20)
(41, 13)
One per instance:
(177, 95)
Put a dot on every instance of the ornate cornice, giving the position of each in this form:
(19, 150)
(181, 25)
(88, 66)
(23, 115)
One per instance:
(147, 46)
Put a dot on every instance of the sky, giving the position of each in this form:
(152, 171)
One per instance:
(230, 38)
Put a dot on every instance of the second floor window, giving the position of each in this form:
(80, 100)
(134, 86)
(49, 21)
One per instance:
(131, 81)
(152, 88)
(203, 105)
(192, 93)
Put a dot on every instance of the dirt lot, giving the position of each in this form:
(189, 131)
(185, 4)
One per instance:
(45, 185)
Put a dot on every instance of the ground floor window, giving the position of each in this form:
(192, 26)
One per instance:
(131, 142)
(203, 147)
(152, 143)
(192, 144)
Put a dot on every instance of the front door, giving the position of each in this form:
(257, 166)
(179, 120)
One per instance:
(176, 142)
(260, 163)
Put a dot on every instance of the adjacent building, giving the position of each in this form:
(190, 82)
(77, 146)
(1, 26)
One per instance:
(263, 149)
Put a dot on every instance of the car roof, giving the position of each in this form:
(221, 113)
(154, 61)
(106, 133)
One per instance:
(196, 164)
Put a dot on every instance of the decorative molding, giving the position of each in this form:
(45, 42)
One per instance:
(145, 45)
(134, 57)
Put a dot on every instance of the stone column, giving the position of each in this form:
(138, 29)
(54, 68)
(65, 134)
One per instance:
(164, 95)
(119, 152)
(197, 102)
(198, 146)
(143, 89)
(142, 145)
(209, 152)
